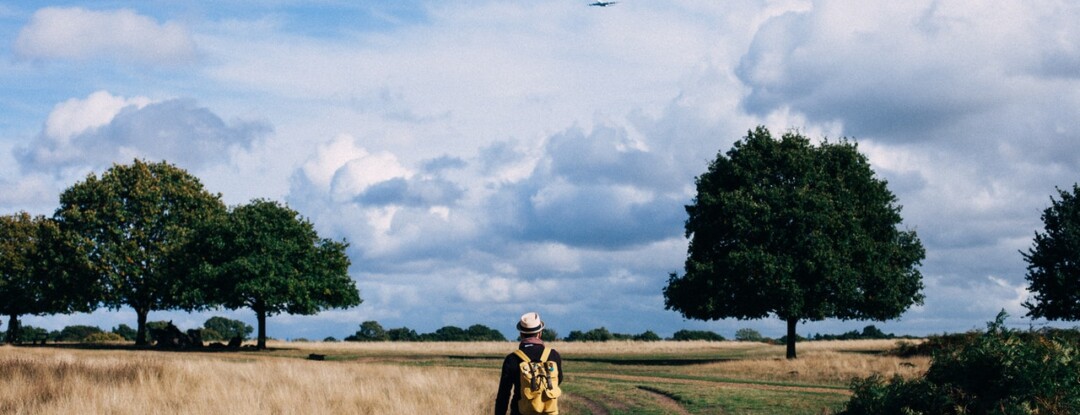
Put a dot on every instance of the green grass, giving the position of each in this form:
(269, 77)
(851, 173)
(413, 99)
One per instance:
(621, 382)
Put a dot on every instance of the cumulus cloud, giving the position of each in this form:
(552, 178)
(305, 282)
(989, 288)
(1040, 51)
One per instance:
(102, 129)
(119, 35)
(601, 190)
(76, 116)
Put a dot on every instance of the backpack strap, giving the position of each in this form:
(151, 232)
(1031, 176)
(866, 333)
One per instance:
(523, 356)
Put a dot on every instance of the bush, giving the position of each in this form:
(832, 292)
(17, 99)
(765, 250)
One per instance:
(28, 334)
(103, 337)
(77, 333)
(688, 335)
(370, 331)
(595, 335)
(997, 372)
(402, 334)
(937, 344)
(125, 331)
(648, 336)
(221, 328)
(870, 332)
(549, 335)
(748, 335)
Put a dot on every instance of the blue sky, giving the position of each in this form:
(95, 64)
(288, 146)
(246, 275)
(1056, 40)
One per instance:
(487, 158)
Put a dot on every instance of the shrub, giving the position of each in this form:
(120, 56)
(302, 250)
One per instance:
(370, 331)
(595, 335)
(27, 334)
(687, 335)
(103, 337)
(221, 328)
(125, 331)
(748, 335)
(402, 334)
(997, 372)
(648, 336)
(77, 333)
(549, 335)
(480, 332)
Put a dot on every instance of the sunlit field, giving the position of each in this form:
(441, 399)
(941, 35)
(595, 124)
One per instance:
(426, 378)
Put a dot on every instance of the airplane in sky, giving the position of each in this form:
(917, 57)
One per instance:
(603, 3)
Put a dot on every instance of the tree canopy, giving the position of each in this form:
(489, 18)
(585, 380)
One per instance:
(19, 293)
(135, 221)
(1054, 261)
(265, 257)
(41, 271)
(782, 227)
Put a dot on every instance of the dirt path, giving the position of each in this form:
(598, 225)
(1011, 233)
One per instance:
(670, 405)
(594, 408)
(718, 383)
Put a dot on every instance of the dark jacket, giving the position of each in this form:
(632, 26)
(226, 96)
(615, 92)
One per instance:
(511, 375)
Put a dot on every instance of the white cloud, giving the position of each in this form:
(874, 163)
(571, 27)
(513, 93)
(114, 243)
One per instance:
(120, 35)
(345, 170)
(76, 116)
(487, 289)
(93, 133)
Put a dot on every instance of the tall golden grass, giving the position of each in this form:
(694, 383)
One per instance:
(52, 381)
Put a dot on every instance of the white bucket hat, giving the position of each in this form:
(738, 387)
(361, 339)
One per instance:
(530, 323)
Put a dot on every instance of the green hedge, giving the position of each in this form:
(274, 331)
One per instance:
(1000, 371)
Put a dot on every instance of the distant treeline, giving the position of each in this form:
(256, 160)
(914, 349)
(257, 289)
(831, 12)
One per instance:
(221, 328)
(868, 333)
(373, 331)
(214, 329)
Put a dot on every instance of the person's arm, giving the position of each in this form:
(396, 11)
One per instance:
(506, 384)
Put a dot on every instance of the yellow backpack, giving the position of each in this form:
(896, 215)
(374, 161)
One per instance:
(539, 385)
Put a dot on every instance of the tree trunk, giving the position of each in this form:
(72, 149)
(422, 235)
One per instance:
(791, 321)
(140, 334)
(13, 329)
(262, 328)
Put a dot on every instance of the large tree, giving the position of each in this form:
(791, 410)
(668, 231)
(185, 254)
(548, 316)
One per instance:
(41, 271)
(135, 221)
(1054, 261)
(782, 227)
(266, 257)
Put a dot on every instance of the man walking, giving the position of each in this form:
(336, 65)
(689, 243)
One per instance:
(533, 390)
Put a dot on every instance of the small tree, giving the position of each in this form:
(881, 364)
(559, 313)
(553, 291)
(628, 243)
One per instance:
(446, 334)
(647, 336)
(1054, 261)
(748, 335)
(549, 335)
(370, 331)
(595, 335)
(801, 232)
(480, 332)
(226, 329)
(402, 334)
(265, 257)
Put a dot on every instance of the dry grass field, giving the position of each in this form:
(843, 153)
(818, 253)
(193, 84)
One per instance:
(427, 378)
